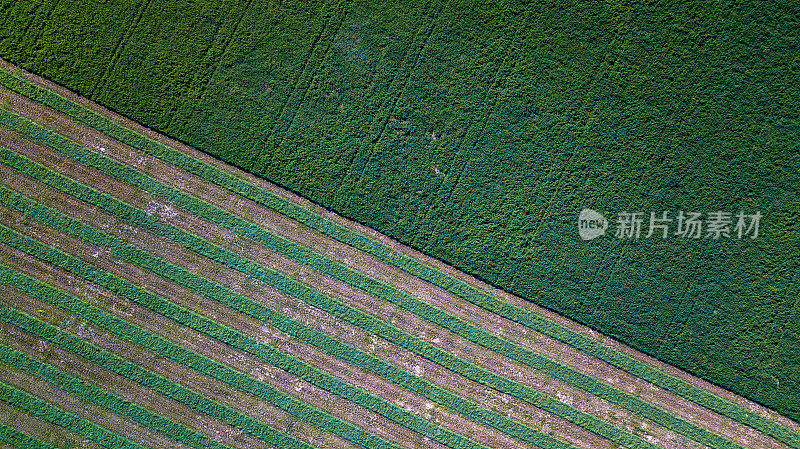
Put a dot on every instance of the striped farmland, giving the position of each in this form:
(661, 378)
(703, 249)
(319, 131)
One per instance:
(411, 353)
(19, 439)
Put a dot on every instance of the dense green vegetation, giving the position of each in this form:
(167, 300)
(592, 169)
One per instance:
(290, 209)
(477, 132)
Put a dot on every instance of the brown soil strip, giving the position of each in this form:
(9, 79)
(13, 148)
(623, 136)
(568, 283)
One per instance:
(91, 412)
(40, 429)
(134, 392)
(120, 385)
(191, 339)
(489, 398)
(415, 325)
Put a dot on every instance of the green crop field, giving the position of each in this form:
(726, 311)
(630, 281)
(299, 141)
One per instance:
(476, 133)
(150, 294)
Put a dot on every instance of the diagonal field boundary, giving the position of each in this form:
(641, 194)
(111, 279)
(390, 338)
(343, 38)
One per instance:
(404, 262)
(297, 329)
(424, 310)
(461, 327)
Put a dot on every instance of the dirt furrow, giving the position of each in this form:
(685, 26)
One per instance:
(41, 429)
(139, 394)
(261, 332)
(411, 363)
(180, 374)
(91, 412)
(459, 346)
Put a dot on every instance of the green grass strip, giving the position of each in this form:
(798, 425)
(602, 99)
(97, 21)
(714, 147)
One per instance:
(408, 264)
(21, 440)
(270, 355)
(308, 334)
(198, 362)
(123, 367)
(342, 272)
(85, 390)
(70, 421)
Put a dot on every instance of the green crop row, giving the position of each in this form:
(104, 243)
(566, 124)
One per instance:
(323, 302)
(128, 369)
(21, 440)
(265, 353)
(411, 265)
(70, 421)
(175, 430)
(339, 271)
(241, 341)
(196, 361)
